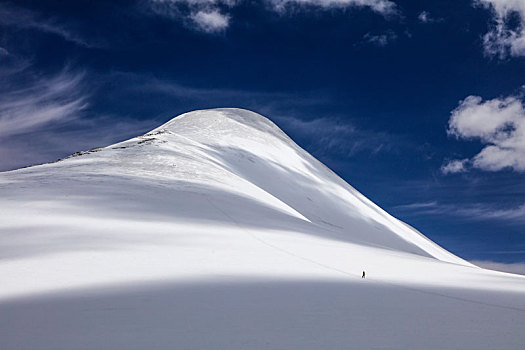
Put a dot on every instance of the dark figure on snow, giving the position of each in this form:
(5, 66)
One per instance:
(363, 276)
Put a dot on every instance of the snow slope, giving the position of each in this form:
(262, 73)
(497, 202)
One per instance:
(216, 230)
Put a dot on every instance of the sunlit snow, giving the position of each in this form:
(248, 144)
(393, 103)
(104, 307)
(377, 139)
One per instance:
(216, 230)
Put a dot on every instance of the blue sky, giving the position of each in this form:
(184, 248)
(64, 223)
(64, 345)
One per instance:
(417, 104)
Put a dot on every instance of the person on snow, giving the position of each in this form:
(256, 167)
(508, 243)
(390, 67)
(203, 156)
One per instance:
(363, 276)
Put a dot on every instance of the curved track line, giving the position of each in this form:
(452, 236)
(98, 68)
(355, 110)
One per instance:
(356, 276)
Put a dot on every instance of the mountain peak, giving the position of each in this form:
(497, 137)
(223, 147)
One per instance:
(208, 118)
(209, 181)
(241, 151)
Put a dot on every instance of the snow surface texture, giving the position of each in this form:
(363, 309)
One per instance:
(216, 231)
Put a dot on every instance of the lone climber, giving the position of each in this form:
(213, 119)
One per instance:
(363, 276)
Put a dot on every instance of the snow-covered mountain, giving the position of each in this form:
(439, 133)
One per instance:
(216, 230)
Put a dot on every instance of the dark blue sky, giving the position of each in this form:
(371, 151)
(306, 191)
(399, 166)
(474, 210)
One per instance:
(417, 104)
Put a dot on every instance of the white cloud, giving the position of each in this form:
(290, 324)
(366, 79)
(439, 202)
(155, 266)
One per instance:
(210, 21)
(454, 166)
(426, 17)
(212, 16)
(201, 15)
(380, 39)
(507, 33)
(518, 268)
(499, 124)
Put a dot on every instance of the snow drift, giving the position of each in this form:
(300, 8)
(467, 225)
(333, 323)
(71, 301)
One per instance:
(224, 203)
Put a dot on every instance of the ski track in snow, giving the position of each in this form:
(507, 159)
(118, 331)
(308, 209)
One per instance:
(353, 275)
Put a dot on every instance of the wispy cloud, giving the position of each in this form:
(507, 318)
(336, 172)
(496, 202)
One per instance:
(516, 214)
(30, 102)
(380, 39)
(507, 33)
(46, 116)
(213, 16)
(20, 18)
(418, 206)
(455, 166)
(473, 212)
(384, 7)
(339, 137)
(499, 124)
(518, 268)
(209, 16)
(171, 90)
(426, 17)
